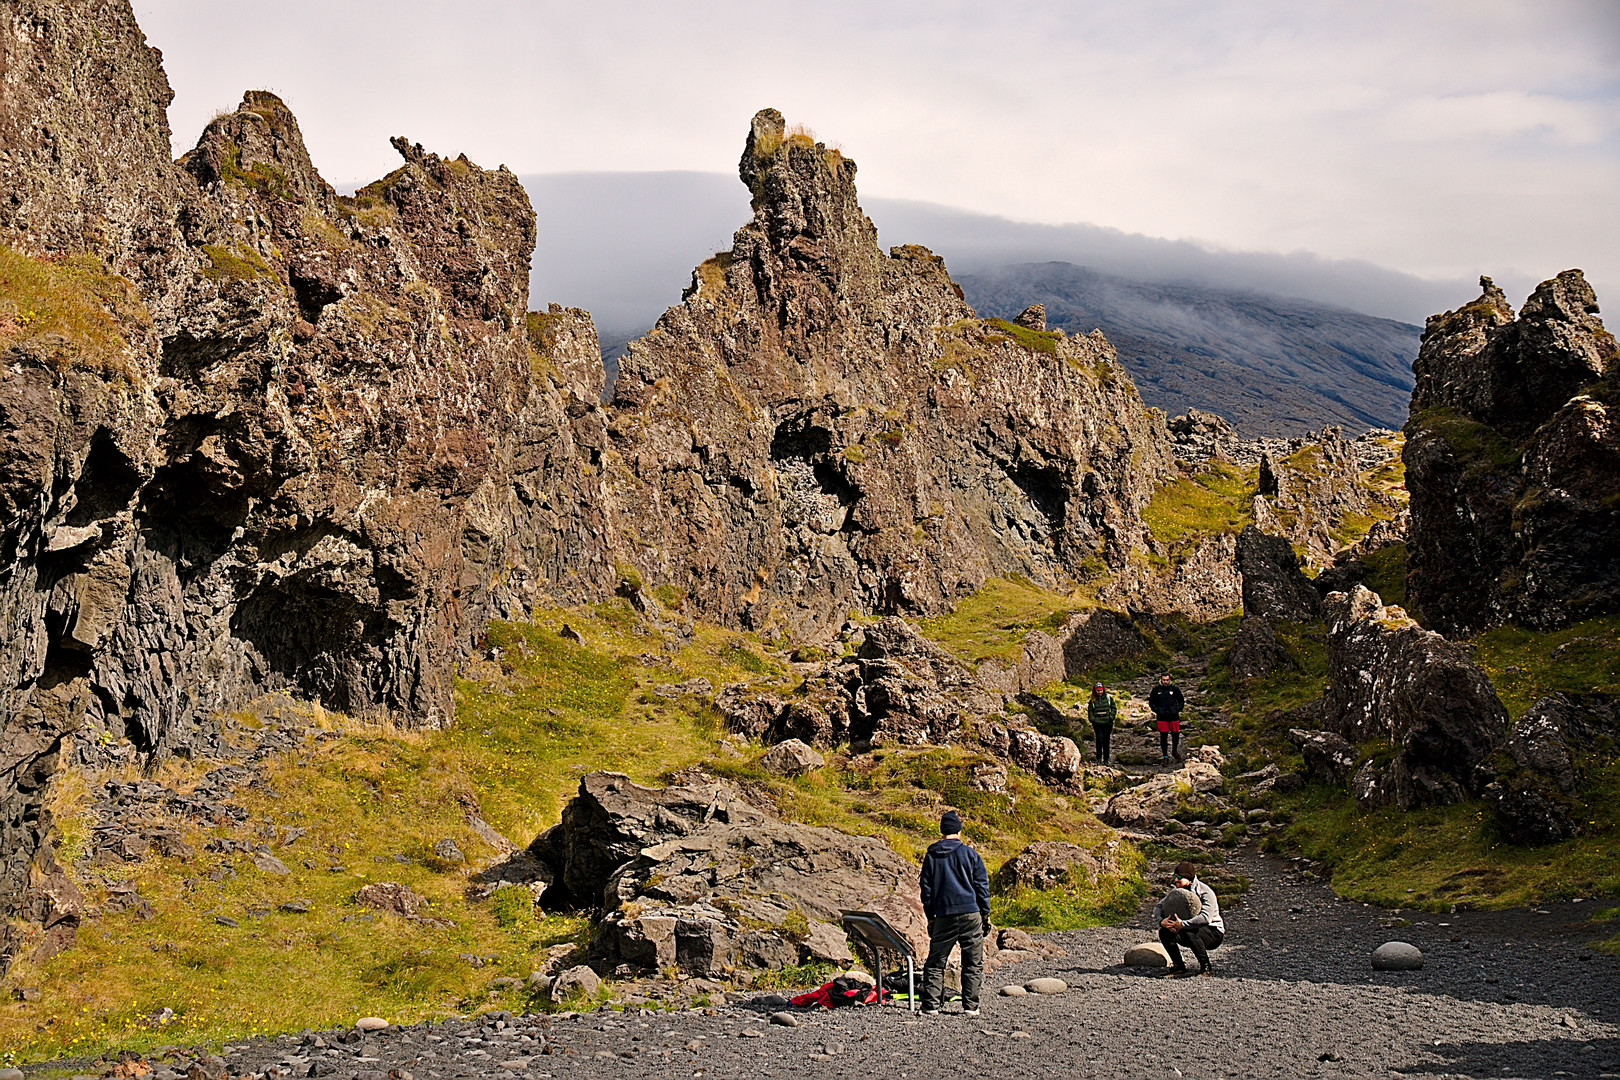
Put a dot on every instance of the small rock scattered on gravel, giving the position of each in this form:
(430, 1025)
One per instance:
(371, 1023)
(1397, 956)
(785, 1019)
(1012, 991)
(1046, 986)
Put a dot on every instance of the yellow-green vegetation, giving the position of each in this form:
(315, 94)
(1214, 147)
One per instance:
(241, 263)
(1386, 573)
(1439, 856)
(260, 176)
(1252, 739)
(1526, 665)
(71, 311)
(1041, 341)
(711, 274)
(373, 800)
(1476, 445)
(993, 622)
(1215, 498)
(1435, 857)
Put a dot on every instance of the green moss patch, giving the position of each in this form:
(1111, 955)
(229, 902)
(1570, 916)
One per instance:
(993, 622)
(1035, 341)
(1216, 498)
(1526, 664)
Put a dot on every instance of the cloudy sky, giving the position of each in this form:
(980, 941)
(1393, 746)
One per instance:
(1442, 139)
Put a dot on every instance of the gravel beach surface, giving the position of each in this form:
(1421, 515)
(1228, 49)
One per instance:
(1518, 994)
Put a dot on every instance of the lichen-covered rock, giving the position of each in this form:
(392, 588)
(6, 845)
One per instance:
(1558, 727)
(1388, 678)
(1274, 586)
(791, 758)
(1155, 801)
(1048, 864)
(1328, 756)
(1256, 652)
(1513, 463)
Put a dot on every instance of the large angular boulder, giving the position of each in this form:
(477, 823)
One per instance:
(1154, 802)
(1274, 586)
(791, 758)
(1557, 727)
(692, 877)
(1388, 678)
(1328, 757)
(1055, 759)
(1256, 652)
(612, 820)
(1048, 864)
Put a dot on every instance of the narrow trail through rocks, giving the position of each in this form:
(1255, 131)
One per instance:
(1518, 994)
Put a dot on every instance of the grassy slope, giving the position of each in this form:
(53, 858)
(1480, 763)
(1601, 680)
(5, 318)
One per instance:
(526, 729)
(993, 622)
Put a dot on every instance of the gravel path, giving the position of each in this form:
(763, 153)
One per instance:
(1503, 994)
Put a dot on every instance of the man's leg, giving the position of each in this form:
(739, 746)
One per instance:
(1210, 938)
(1175, 744)
(1171, 946)
(939, 951)
(971, 938)
(1193, 938)
(1164, 745)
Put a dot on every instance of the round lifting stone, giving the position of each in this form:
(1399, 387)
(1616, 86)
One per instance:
(1012, 991)
(1046, 986)
(1147, 954)
(1397, 956)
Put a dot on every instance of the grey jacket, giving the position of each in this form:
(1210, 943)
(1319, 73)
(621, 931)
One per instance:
(1208, 915)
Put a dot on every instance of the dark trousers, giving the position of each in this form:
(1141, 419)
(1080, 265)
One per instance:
(1169, 743)
(1200, 939)
(1103, 733)
(945, 931)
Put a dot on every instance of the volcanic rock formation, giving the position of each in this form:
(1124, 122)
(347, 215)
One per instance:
(1513, 462)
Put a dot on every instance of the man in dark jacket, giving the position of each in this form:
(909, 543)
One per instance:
(1166, 701)
(956, 899)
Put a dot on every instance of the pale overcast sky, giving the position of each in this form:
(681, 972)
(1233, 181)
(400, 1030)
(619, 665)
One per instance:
(1442, 139)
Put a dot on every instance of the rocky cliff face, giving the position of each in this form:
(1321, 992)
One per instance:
(821, 426)
(1513, 462)
(252, 434)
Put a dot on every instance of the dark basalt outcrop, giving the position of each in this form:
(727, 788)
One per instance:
(1513, 463)
(1274, 586)
(1389, 679)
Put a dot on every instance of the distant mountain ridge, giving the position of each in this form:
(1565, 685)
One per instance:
(1271, 365)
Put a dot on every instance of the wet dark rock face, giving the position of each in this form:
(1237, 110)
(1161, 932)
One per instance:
(1513, 463)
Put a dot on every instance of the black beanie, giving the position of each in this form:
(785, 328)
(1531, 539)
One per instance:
(950, 822)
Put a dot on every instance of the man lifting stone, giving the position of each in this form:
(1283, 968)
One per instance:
(1189, 915)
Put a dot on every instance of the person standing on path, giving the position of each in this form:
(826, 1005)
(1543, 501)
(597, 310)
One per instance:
(1200, 933)
(1102, 710)
(956, 899)
(1166, 701)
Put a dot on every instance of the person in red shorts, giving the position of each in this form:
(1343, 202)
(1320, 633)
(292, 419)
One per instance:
(1166, 701)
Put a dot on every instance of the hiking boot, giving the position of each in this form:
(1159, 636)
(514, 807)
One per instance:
(1173, 972)
(970, 1012)
(930, 1012)
(1166, 760)
(1206, 971)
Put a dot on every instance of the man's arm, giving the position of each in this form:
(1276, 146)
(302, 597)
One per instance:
(981, 884)
(926, 888)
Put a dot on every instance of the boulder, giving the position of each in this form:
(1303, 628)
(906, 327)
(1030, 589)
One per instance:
(1046, 986)
(447, 851)
(1005, 991)
(1529, 815)
(1388, 678)
(791, 758)
(269, 864)
(371, 1023)
(1048, 864)
(390, 896)
(1274, 586)
(1370, 786)
(707, 883)
(1055, 759)
(611, 820)
(1256, 652)
(827, 942)
(1557, 727)
(1397, 956)
(1208, 753)
(1032, 318)
(579, 980)
(1147, 954)
(1328, 757)
(1154, 802)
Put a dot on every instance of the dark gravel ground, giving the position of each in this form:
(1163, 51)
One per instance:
(1502, 994)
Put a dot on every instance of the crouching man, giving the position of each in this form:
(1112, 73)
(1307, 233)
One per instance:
(956, 899)
(1201, 931)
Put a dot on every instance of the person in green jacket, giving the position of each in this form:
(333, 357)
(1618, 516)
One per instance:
(1102, 710)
